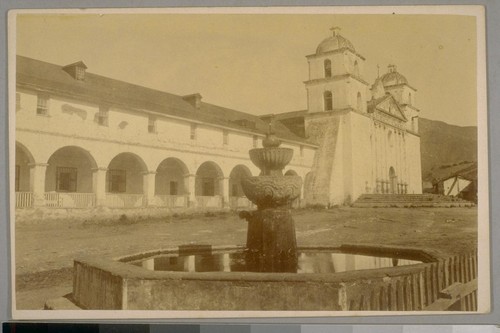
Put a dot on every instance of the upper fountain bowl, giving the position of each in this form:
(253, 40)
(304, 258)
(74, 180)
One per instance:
(271, 159)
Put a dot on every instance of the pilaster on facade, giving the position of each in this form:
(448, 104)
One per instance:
(190, 181)
(225, 191)
(149, 179)
(99, 185)
(37, 182)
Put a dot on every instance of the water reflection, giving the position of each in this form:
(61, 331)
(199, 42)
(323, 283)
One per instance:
(307, 262)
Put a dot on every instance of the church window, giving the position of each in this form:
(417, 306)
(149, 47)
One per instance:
(409, 98)
(255, 141)
(42, 105)
(80, 73)
(193, 132)
(359, 102)
(356, 68)
(66, 179)
(328, 100)
(301, 151)
(174, 188)
(117, 181)
(328, 68)
(102, 116)
(234, 190)
(225, 137)
(208, 187)
(389, 139)
(151, 124)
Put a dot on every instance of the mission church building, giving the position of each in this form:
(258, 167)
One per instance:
(84, 140)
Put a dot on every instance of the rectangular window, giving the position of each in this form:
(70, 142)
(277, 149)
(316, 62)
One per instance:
(193, 132)
(42, 105)
(80, 73)
(234, 190)
(174, 188)
(152, 125)
(255, 141)
(66, 179)
(225, 137)
(117, 181)
(102, 116)
(18, 102)
(18, 170)
(301, 151)
(208, 187)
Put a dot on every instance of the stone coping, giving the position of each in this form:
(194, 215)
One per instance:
(120, 267)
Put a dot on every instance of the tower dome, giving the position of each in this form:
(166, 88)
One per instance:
(392, 77)
(334, 42)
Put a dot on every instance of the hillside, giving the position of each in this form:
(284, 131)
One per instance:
(443, 144)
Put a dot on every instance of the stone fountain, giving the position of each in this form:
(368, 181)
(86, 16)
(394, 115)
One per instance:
(271, 242)
(269, 273)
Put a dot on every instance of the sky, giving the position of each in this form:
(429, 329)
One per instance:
(256, 62)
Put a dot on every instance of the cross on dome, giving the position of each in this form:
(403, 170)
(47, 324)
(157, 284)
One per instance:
(392, 68)
(335, 30)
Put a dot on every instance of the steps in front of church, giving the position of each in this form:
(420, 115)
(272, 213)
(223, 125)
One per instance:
(410, 200)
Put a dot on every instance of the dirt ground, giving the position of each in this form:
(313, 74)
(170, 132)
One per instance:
(44, 252)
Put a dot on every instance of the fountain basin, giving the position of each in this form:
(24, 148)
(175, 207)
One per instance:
(119, 284)
(270, 191)
(271, 160)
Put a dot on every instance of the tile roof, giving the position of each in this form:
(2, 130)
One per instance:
(467, 170)
(52, 78)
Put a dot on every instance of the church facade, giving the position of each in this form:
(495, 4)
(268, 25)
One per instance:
(84, 140)
(367, 134)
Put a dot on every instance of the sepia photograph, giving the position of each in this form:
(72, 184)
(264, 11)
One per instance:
(232, 162)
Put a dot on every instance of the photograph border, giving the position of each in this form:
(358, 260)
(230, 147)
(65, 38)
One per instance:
(483, 208)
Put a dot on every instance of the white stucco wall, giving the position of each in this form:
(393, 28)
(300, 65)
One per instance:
(363, 159)
(74, 123)
(414, 164)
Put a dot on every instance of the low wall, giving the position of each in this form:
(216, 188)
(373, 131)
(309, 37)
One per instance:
(110, 284)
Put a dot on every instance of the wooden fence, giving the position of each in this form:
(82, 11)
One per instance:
(449, 284)
(24, 199)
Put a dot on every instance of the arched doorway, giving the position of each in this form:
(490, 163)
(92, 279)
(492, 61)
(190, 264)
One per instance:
(69, 178)
(208, 185)
(125, 181)
(22, 182)
(170, 184)
(393, 181)
(236, 196)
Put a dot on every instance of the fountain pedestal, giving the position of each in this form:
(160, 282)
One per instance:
(271, 242)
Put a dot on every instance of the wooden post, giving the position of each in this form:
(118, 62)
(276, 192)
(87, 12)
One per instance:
(407, 293)
(446, 268)
(382, 299)
(421, 284)
(417, 304)
(456, 269)
(428, 288)
(400, 304)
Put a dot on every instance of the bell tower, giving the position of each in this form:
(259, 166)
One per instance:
(336, 74)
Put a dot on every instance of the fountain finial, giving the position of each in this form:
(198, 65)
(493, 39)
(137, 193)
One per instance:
(271, 140)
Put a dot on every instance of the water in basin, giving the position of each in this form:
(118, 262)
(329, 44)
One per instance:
(236, 261)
